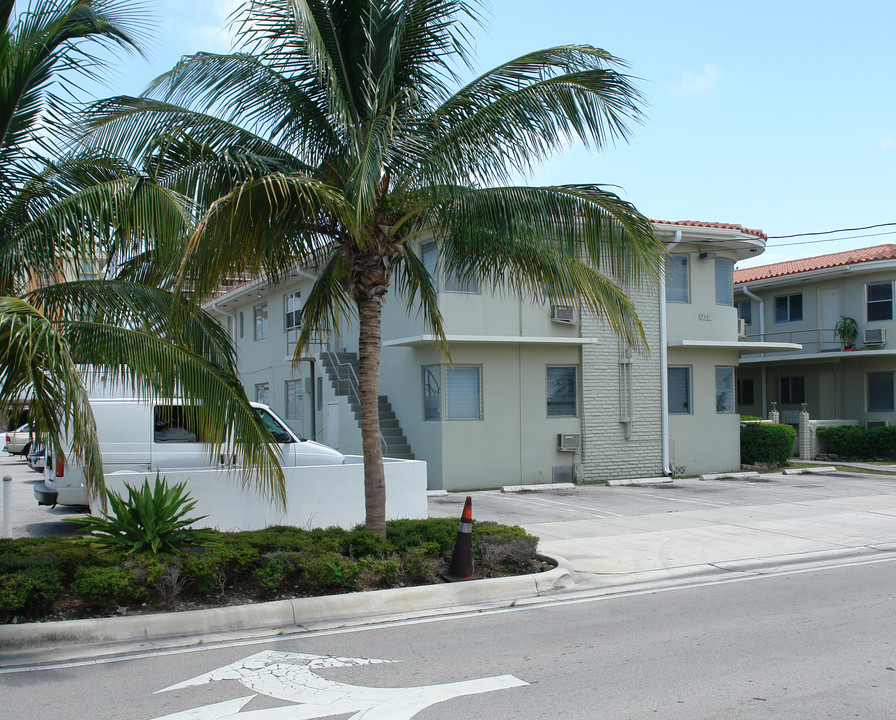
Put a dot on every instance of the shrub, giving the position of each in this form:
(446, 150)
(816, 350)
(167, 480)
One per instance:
(437, 535)
(150, 520)
(108, 585)
(856, 443)
(766, 443)
(29, 591)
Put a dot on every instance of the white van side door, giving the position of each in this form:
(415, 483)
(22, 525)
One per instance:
(175, 439)
(123, 430)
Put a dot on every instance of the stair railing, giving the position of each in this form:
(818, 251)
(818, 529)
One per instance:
(345, 372)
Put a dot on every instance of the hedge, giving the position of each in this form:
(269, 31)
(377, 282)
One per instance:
(766, 443)
(852, 442)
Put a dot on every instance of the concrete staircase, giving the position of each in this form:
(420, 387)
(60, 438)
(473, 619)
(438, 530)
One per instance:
(342, 371)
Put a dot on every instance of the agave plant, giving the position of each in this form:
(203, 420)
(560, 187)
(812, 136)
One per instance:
(151, 519)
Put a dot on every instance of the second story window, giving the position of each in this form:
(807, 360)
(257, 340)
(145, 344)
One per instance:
(677, 286)
(789, 308)
(261, 321)
(429, 253)
(745, 311)
(292, 309)
(879, 298)
(724, 282)
(263, 393)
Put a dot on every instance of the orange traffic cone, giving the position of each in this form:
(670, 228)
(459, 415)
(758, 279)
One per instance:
(461, 567)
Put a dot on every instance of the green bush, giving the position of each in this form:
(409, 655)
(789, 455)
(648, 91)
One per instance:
(852, 442)
(766, 443)
(28, 591)
(435, 534)
(108, 586)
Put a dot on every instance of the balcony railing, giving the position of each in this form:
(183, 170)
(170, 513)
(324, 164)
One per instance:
(813, 340)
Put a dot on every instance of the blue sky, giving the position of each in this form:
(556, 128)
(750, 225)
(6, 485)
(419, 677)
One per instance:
(774, 115)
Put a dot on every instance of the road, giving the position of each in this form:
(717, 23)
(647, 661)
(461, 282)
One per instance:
(818, 643)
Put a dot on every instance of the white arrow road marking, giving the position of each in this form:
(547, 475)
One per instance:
(291, 677)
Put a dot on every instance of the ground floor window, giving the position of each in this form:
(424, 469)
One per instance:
(679, 392)
(263, 393)
(724, 389)
(295, 409)
(432, 396)
(880, 392)
(463, 392)
(560, 382)
(746, 392)
(792, 390)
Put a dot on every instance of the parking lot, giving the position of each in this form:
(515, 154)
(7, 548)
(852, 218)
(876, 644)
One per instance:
(599, 502)
(28, 518)
(582, 503)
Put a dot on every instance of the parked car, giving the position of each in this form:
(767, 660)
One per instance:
(145, 436)
(37, 458)
(18, 441)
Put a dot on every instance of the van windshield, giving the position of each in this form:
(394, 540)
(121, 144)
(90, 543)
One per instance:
(281, 435)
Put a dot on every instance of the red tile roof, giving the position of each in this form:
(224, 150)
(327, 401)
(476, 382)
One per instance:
(721, 226)
(819, 262)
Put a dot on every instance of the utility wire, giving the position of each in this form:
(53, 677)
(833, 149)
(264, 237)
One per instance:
(836, 239)
(831, 232)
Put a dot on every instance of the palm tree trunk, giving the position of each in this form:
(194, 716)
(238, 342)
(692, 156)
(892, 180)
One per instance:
(369, 349)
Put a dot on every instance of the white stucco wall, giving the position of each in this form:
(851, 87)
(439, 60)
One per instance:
(317, 497)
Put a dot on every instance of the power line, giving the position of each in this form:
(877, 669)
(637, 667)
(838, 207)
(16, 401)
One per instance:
(837, 239)
(831, 232)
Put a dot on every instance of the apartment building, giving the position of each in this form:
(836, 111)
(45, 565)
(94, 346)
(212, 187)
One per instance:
(535, 391)
(802, 302)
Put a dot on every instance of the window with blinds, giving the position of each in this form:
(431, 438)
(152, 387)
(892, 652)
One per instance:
(679, 390)
(463, 393)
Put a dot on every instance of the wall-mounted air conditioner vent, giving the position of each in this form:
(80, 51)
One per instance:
(877, 423)
(875, 336)
(741, 327)
(563, 313)
(569, 442)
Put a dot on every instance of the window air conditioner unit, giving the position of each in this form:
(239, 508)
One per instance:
(875, 336)
(569, 442)
(741, 327)
(563, 313)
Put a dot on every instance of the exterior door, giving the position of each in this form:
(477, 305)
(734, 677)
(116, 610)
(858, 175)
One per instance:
(830, 314)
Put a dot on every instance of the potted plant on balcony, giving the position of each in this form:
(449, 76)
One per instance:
(847, 329)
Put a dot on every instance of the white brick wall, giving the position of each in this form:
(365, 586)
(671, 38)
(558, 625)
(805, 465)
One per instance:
(606, 453)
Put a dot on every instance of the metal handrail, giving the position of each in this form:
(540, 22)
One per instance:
(806, 336)
(351, 378)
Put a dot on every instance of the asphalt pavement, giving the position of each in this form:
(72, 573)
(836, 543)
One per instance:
(605, 539)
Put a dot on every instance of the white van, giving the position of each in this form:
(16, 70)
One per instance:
(145, 436)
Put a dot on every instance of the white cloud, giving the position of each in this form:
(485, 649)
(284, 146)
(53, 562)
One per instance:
(887, 142)
(698, 83)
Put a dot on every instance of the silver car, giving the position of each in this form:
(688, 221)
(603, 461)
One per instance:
(18, 441)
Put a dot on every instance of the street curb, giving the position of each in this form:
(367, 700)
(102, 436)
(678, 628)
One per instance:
(286, 615)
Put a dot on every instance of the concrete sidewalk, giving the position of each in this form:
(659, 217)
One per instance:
(605, 539)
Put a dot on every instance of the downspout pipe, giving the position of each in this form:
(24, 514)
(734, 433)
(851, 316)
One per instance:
(763, 380)
(664, 364)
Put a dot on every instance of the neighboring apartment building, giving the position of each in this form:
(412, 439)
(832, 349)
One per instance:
(801, 301)
(535, 391)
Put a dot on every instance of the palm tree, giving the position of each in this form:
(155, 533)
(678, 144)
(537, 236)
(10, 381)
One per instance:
(60, 208)
(340, 133)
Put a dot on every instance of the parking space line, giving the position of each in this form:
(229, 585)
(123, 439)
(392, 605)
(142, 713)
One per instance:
(567, 507)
